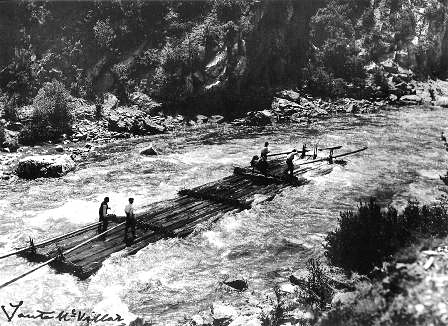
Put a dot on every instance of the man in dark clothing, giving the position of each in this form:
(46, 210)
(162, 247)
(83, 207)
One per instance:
(103, 217)
(263, 161)
(289, 162)
(130, 220)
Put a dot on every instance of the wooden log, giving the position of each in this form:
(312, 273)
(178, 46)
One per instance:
(207, 206)
(176, 210)
(217, 198)
(229, 179)
(52, 240)
(188, 219)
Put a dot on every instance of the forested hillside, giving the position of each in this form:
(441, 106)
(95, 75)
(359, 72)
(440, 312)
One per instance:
(217, 55)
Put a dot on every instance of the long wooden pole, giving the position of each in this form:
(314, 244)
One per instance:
(54, 258)
(40, 244)
(336, 156)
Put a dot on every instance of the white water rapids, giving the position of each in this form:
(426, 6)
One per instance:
(174, 278)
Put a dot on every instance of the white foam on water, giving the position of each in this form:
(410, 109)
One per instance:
(74, 210)
(214, 239)
(112, 303)
(430, 174)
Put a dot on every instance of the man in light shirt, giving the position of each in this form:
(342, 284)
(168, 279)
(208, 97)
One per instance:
(265, 151)
(130, 220)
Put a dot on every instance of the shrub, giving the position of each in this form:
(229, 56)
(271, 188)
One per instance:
(317, 291)
(368, 237)
(2, 133)
(10, 112)
(319, 81)
(104, 33)
(380, 79)
(51, 116)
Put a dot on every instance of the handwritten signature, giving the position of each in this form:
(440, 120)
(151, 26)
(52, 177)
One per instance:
(63, 316)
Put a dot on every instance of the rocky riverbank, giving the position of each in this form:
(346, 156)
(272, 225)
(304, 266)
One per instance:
(103, 122)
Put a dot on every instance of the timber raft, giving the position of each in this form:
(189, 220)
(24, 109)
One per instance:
(82, 252)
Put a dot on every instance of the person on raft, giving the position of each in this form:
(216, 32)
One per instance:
(104, 207)
(265, 151)
(263, 161)
(130, 220)
(289, 162)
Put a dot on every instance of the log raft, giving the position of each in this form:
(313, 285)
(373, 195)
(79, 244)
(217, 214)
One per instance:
(177, 217)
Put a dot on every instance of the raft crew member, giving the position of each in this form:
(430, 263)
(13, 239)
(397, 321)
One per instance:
(130, 220)
(303, 151)
(431, 94)
(330, 157)
(263, 161)
(104, 207)
(254, 162)
(265, 151)
(289, 162)
(315, 152)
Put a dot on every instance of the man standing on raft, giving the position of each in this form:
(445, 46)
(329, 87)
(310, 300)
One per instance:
(104, 207)
(130, 220)
(289, 162)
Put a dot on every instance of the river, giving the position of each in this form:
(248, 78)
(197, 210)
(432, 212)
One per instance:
(174, 278)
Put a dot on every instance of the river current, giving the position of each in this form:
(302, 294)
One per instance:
(174, 278)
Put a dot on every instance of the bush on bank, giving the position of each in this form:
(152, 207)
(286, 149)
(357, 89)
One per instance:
(364, 239)
(51, 116)
(2, 133)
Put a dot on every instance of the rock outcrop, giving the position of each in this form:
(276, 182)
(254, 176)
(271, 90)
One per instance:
(133, 120)
(255, 309)
(46, 166)
(144, 102)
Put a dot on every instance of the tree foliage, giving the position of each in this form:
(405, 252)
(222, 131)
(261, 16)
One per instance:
(51, 115)
(367, 237)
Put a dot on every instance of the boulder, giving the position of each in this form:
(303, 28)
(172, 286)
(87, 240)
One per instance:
(148, 151)
(201, 118)
(110, 103)
(283, 105)
(259, 118)
(393, 98)
(133, 120)
(216, 119)
(290, 95)
(352, 108)
(343, 298)
(240, 285)
(223, 314)
(144, 102)
(390, 66)
(319, 111)
(47, 166)
(298, 117)
(11, 140)
(441, 101)
(410, 100)
(14, 126)
(59, 148)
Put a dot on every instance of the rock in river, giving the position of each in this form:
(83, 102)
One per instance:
(48, 166)
(148, 151)
(410, 100)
